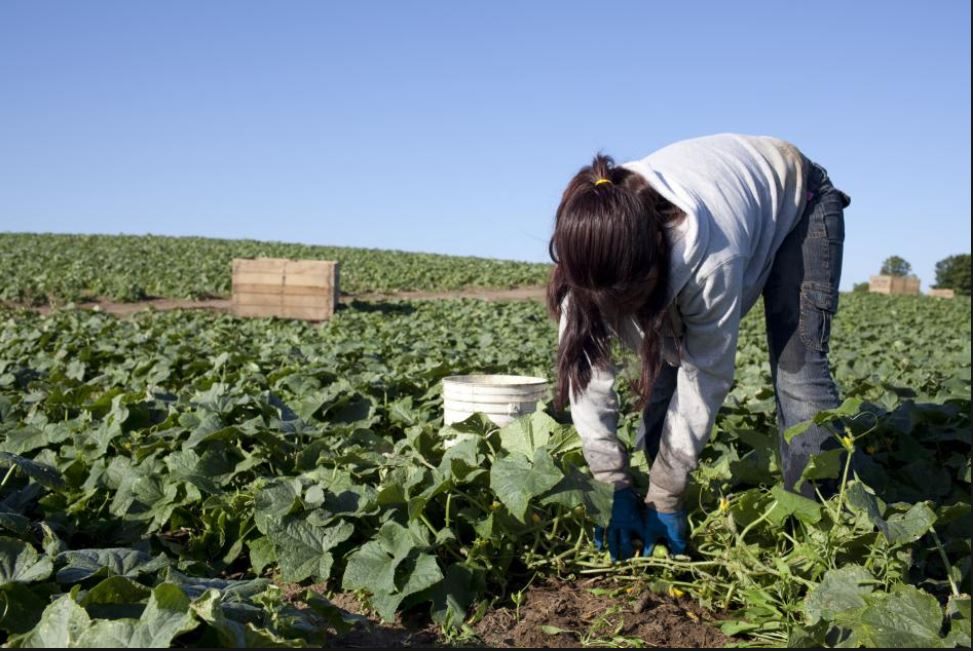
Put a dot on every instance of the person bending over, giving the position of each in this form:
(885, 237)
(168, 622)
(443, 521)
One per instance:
(667, 254)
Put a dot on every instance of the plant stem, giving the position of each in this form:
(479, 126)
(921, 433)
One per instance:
(557, 521)
(7, 476)
(649, 562)
(729, 596)
(789, 537)
(766, 514)
(942, 554)
(537, 541)
(425, 521)
(477, 503)
(844, 481)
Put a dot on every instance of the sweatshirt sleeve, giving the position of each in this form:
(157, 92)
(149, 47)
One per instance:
(711, 316)
(595, 415)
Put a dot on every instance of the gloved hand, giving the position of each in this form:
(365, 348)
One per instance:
(626, 522)
(672, 528)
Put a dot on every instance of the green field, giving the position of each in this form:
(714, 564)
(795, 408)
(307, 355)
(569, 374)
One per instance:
(46, 268)
(170, 478)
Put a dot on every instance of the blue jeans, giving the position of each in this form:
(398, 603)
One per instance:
(800, 300)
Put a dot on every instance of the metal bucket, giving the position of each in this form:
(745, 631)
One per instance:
(502, 398)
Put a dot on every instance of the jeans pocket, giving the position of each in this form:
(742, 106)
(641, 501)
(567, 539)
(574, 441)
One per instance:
(834, 226)
(819, 302)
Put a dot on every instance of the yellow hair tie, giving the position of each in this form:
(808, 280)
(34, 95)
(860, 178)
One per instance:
(600, 181)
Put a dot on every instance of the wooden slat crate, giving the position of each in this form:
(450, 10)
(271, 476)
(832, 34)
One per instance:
(894, 285)
(290, 289)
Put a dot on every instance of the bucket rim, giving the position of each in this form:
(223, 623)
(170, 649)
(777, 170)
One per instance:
(491, 380)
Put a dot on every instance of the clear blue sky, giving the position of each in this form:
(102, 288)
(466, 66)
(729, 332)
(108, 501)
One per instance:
(453, 126)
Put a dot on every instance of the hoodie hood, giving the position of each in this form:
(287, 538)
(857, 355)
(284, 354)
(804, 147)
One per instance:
(689, 237)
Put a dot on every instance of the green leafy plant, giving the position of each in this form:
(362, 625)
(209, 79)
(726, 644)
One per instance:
(164, 477)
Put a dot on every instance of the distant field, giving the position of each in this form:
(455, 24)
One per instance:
(46, 268)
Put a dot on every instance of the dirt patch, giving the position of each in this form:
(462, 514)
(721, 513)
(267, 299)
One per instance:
(573, 614)
(128, 309)
(225, 304)
(483, 293)
(555, 614)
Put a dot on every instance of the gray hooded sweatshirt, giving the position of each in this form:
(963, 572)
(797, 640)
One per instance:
(741, 196)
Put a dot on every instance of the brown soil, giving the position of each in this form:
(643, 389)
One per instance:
(580, 618)
(225, 304)
(554, 614)
(128, 309)
(483, 293)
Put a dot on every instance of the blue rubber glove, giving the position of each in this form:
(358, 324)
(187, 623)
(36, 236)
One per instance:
(626, 523)
(671, 528)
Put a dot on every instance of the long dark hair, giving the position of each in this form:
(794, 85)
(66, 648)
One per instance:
(611, 259)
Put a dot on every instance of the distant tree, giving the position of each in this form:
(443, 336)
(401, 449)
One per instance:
(860, 287)
(895, 266)
(954, 273)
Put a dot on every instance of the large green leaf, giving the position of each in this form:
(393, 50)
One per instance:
(749, 506)
(374, 565)
(849, 408)
(167, 616)
(370, 568)
(525, 434)
(275, 502)
(516, 480)
(840, 591)
(20, 607)
(66, 624)
(906, 617)
(230, 590)
(39, 472)
(262, 553)
(861, 500)
(116, 597)
(61, 625)
(391, 567)
(108, 634)
(826, 465)
(898, 528)
(462, 462)
(81, 564)
(453, 595)
(234, 634)
(792, 504)
(206, 472)
(578, 489)
(304, 550)
(27, 439)
(20, 562)
(910, 526)
(417, 572)
(14, 522)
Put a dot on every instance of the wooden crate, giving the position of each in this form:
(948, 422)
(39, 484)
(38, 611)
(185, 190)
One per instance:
(894, 285)
(290, 289)
(942, 293)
